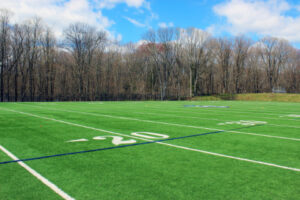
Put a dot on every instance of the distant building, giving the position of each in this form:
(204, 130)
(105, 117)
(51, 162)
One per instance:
(278, 90)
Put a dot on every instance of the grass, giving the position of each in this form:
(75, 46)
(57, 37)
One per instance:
(152, 171)
(276, 97)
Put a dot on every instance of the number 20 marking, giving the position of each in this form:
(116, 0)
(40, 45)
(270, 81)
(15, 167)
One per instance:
(117, 140)
(147, 135)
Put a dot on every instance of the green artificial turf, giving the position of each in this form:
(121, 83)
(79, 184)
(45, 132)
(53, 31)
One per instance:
(167, 170)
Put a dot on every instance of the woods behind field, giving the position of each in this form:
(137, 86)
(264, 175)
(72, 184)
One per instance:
(170, 63)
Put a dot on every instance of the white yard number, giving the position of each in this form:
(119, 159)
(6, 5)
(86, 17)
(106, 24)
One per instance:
(149, 135)
(117, 140)
(244, 123)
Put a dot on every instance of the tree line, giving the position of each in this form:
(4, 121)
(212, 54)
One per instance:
(168, 63)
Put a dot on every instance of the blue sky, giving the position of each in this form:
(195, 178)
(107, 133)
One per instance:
(128, 20)
(177, 13)
(211, 15)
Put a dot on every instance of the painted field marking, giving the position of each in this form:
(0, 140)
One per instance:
(117, 140)
(204, 106)
(292, 115)
(226, 111)
(49, 184)
(243, 123)
(150, 135)
(173, 124)
(287, 126)
(217, 113)
(273, 112)
(263, 105)
(109, 148)
(79, 140)
(209, 119)
(163, 143)
(170, 115)
(231, 110)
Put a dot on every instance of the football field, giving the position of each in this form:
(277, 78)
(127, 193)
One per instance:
(150, 150)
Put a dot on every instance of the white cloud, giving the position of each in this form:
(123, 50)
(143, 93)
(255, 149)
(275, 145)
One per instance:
(193, 36)
(131, 3)
(135, 22)
(166, 25)
(212, 29)
(260, 17)
(147, 5)
(58, 14)
(162, 25)
(146, 22)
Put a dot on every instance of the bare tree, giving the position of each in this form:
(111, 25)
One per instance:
(254, 71)
(47, 73)
(17, 39)
(194, 42)
(223, 55)
(83, 40)
(274, 55)
(167, 57)
(33, 37)
(4, 47)
(240, 53)
(290, 78)
(169, 64)
(161, 50)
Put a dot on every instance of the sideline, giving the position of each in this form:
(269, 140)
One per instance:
(51, 185)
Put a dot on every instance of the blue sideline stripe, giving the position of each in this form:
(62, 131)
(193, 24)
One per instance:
(117, 147)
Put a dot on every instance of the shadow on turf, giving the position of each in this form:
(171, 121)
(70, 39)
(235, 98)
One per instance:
(129, 145)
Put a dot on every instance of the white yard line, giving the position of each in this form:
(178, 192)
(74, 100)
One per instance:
(203, 111)
(232, 157)
(162, 143)
(226, 111)
(170, 115)
(287, 126)
(173, 124)
(209, 119)
(49, 184)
